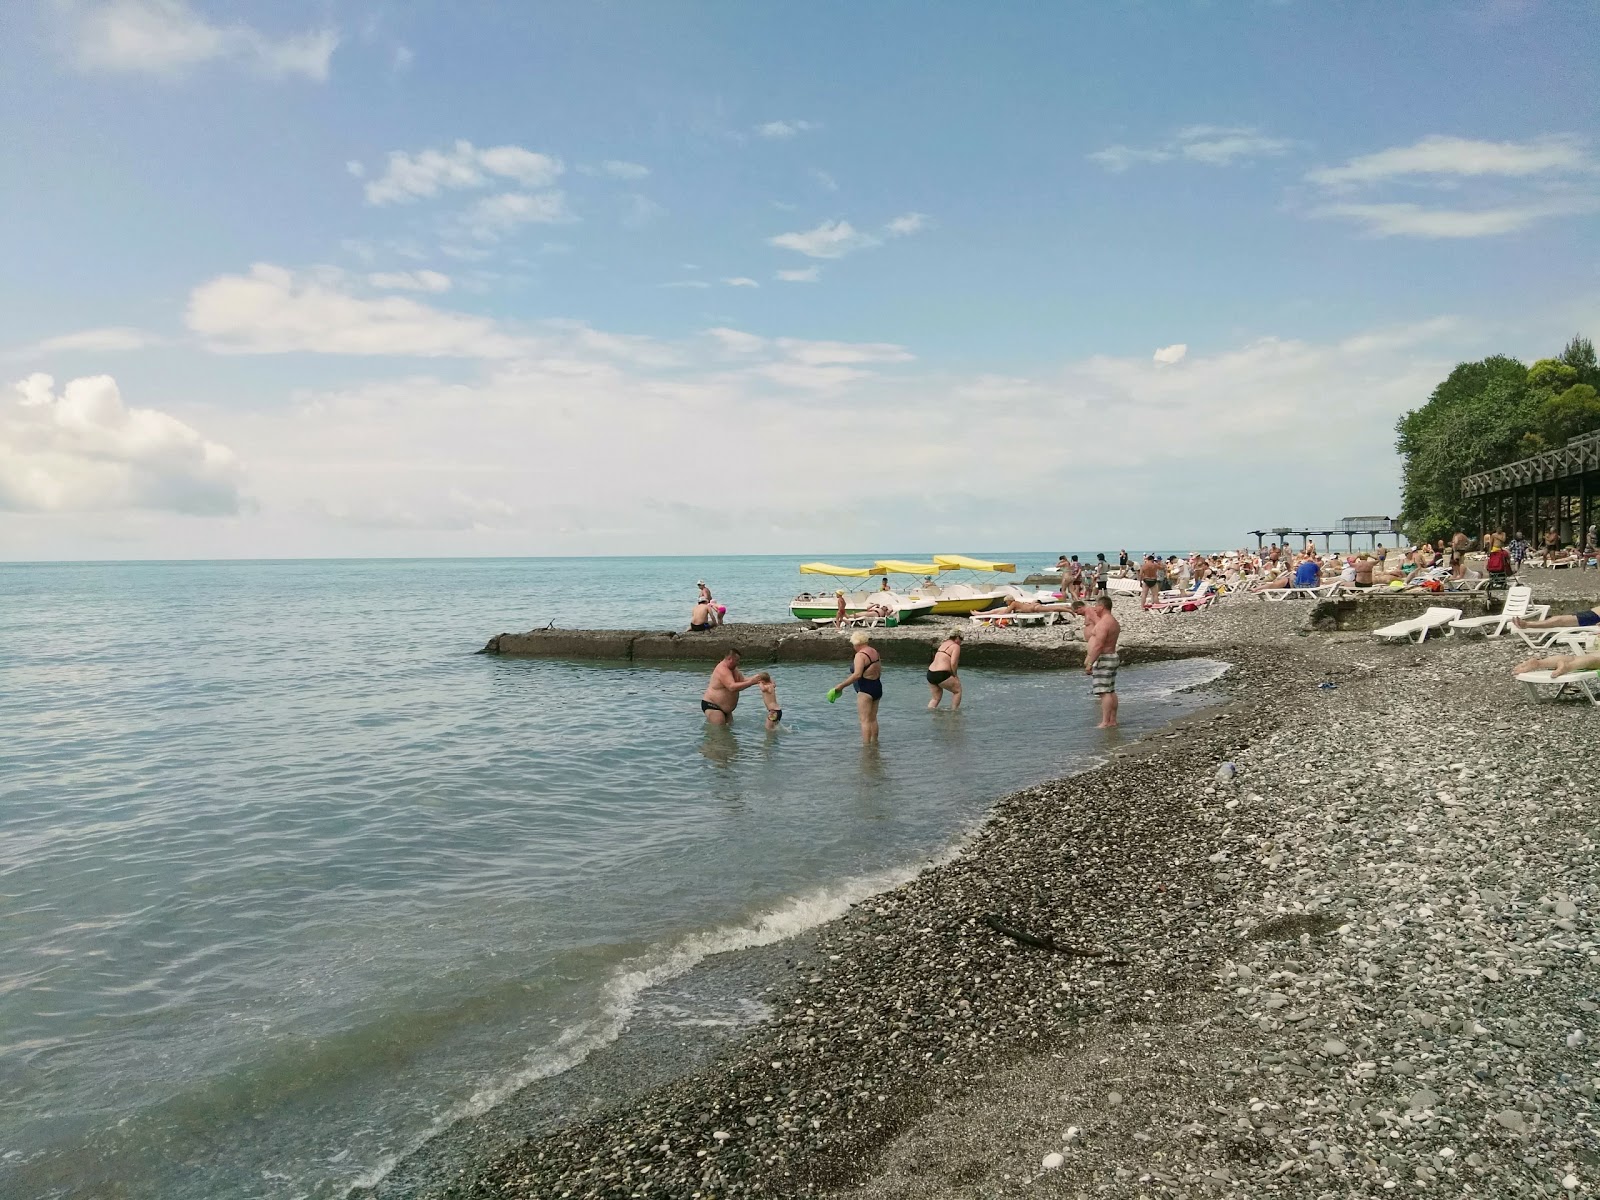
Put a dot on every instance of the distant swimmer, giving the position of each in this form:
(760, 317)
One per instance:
(942, 672)
(722, 693)
(1100, 662)
(866, 673)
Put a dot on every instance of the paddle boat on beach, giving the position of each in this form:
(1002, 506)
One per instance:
(961, 596)
(822, 605)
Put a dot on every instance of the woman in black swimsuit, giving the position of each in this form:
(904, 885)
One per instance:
(942, 672)
(866, 671)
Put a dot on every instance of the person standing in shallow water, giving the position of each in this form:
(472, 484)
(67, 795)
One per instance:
(866, 673)
(722, 693)
(1100, 661)
(942, 672)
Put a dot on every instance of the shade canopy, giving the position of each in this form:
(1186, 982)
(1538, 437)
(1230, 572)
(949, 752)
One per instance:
(848, 572)
(894, 566)
(960, 562)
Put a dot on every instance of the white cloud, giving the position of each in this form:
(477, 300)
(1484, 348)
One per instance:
(167, 37)
(404, 56)
(1463, 158)
(1415, 220)
(824, 180)
(640, 211)
(685, 283)
(616, 168)
(1212, 145)
(780, 130)
(907, 224)
(814, 353)
(494, 216)
(737, 341)
(740, 281)
(83, 450)
(799, 275)
(831, 239)
(410, 281)
(1171, 354)
(90, 341)
(274, 311)
(408, 177)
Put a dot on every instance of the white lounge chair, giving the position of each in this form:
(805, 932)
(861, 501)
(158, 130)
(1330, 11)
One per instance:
(1543, 639)
(1519, 604)
(1203, 595)
(1418, 628)
(999, 616)
(1580, 683)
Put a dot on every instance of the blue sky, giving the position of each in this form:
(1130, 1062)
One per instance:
(429, 278)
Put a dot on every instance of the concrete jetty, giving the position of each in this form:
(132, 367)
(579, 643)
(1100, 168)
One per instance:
(1054, 647)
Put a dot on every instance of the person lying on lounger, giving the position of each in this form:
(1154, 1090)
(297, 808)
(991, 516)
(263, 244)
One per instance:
(1582, 620)
(1559, 664)
(1014, 605)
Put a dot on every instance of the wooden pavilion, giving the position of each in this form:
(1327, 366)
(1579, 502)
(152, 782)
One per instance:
(1556, 488)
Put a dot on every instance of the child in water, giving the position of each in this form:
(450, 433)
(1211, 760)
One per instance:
(769, 697)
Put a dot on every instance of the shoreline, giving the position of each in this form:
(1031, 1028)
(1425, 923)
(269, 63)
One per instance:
(919, 1053)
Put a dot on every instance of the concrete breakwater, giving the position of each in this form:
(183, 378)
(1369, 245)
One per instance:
(1058, 646)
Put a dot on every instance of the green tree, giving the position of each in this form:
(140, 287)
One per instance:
(1473, 420)
(1579, 355)
(1568, 414)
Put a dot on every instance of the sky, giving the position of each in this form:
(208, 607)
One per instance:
(362, 278)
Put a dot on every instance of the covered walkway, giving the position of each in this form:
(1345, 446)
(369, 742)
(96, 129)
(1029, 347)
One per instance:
(1555, 489)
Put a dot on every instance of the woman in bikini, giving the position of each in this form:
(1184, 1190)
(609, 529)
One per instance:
(942, 672)
(866, 672)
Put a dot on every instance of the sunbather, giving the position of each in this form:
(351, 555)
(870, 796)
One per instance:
(1581, 620)
(1559, 664)
(1016, 605)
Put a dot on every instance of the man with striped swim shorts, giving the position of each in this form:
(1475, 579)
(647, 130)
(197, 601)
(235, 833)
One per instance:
(1100, 661)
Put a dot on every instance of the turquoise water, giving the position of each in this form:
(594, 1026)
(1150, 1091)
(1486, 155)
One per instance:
(290, 879)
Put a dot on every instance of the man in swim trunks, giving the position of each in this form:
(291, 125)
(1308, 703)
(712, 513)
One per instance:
(1149, 590)
(722, 693)
(1100, 661)
(942, 672)
(1587, 618)
(702, 618)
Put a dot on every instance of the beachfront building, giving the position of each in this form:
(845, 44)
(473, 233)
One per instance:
(1556, 488)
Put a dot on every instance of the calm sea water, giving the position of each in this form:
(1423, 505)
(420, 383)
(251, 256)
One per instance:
(290, 879)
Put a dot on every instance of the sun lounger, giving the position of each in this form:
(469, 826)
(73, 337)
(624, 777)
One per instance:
(1193, 601)
(1579, 683)
(1000, 617)
(1543, 639)
(1418, 628)
(1319, 592)
(1518, 605)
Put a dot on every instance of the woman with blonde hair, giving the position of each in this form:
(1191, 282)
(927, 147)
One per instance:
(866, 673)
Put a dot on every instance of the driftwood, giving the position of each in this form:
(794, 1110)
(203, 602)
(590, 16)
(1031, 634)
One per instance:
(1042, 941)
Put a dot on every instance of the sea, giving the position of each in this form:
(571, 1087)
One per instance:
(293, 882)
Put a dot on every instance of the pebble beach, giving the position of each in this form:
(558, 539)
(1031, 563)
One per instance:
(1362, 960)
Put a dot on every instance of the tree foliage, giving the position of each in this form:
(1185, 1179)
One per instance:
(1486, 414)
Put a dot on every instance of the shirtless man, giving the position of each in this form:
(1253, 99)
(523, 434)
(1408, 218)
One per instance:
(702, 618)
(942, 672)
(1365, 566)
(1149, 590)
(1586, 619)
(1100, 660)
(722, 693)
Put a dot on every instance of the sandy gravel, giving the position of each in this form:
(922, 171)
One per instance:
(1368, 963)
